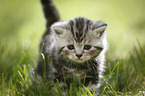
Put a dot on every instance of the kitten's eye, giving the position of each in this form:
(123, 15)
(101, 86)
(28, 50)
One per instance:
(70, 47)
(87, 47)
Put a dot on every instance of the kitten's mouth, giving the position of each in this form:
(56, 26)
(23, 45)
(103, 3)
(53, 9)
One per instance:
(78, 60)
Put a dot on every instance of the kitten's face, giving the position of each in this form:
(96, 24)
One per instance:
(80, 39)
(80, 52)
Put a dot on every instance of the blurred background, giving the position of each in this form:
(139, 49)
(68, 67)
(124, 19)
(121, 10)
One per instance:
(22, 24)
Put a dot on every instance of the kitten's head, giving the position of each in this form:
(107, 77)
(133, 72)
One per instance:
(80, 39)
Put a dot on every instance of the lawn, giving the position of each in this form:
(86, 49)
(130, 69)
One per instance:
(22, 24)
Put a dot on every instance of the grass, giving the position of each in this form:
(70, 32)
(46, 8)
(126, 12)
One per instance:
(122, 77)
(21, 28)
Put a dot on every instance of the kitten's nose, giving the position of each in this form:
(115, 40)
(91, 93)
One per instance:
(79, 55)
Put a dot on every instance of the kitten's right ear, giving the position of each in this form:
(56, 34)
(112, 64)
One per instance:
(58, 30)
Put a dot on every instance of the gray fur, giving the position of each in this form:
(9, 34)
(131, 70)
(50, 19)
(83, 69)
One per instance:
(77, 44)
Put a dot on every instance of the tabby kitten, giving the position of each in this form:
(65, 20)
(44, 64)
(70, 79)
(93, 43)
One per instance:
(75, 48)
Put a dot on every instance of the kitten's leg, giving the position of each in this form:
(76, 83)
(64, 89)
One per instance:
(42, 68)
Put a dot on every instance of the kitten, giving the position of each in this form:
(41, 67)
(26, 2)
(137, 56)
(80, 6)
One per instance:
(75, 48)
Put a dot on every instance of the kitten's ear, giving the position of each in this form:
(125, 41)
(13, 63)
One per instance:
(101, 29)
(58, 30)
(59, 27)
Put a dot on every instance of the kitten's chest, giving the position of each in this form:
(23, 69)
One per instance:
(70, 72)
(79, 74)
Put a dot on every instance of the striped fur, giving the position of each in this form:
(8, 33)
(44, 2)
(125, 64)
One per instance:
(80, 27)
(77, 44)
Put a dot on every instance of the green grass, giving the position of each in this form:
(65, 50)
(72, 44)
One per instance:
(21, 28)
(122, 77)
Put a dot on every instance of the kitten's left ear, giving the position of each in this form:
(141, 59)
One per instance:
(101, 29)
